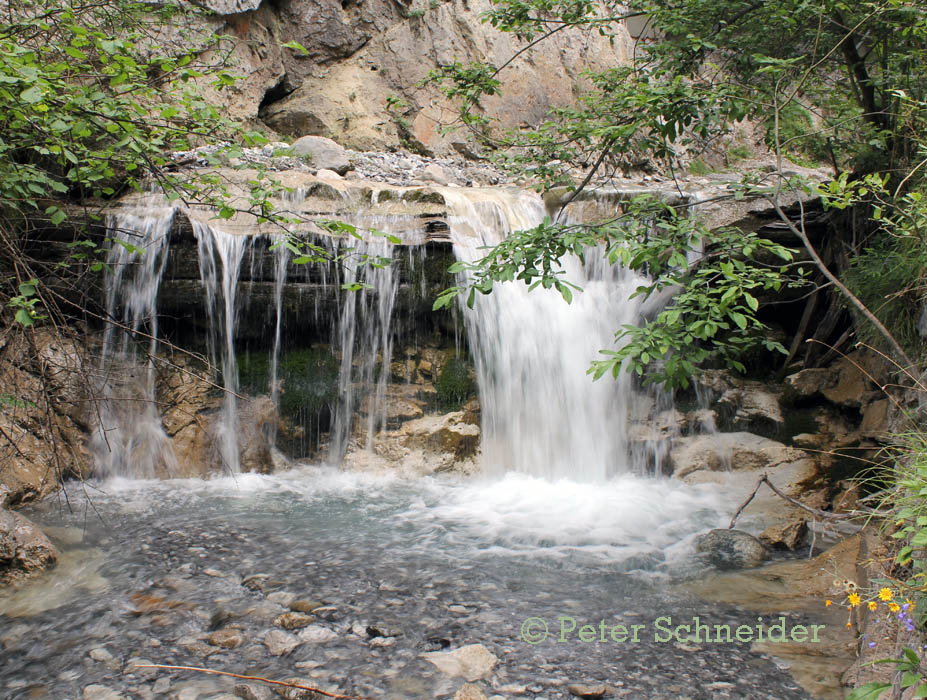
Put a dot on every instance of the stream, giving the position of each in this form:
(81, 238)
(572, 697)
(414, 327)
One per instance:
(390, 569)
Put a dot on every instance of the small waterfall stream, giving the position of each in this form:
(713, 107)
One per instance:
(542, 413)
(567, 527)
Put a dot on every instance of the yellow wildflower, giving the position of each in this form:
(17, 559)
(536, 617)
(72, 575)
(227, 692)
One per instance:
(894, 607)
(849, 624)
(885, 594)
(854, 599)
(873, 605)
(828, 603)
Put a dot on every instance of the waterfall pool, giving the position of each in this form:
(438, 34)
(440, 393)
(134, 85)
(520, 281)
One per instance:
(563, 582)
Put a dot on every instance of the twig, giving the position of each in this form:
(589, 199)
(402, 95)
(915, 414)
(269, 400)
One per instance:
(253, 678)
(794, 502)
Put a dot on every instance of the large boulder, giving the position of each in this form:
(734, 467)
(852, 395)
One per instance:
(731, 549)
(24, 549)
(851, 381)
(323, 153)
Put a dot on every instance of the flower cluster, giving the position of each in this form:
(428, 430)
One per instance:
(884, 597)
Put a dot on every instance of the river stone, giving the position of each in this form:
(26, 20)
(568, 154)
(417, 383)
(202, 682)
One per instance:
(305, 606)
(226, 638)
(731, 549)
(587, 691)
(24, 549)
(468, 691)
(280, 643)
(324, 153)
(248, 691)
(293, 620)
(316, 634)
(471, 662)
(789, 535)
(101, 692)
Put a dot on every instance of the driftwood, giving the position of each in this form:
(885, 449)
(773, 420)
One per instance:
(252, 678)
(814, 511)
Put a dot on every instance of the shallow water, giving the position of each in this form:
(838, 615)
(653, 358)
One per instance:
(151, 568)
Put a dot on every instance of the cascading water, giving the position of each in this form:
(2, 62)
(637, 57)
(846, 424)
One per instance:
(128, 438)
(364, 338)
(542, 413)
(221, 288)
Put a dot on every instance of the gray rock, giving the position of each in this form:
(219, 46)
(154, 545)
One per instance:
(324, 153)
(24, 549)
(317, 634)
(279, 642)
(101, 692)
(731, 549)
(436, 173)
(471, 662)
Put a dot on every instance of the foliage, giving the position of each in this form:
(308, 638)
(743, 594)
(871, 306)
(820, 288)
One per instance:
(717, 276)
(454, 385)
(833, 80)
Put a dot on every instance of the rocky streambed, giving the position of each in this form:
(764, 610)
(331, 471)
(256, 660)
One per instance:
(381, 587)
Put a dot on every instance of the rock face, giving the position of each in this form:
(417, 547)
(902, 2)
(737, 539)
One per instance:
(725, 451)
(359, 54)
(33, 420)
(24, 549)
(731, 549)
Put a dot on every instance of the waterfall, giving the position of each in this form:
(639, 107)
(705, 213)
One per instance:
(541, 412)
(365, 340)
(222, 284)
(128, 438)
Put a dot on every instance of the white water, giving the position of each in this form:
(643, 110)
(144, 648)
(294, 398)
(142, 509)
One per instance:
(128, 437)
(221, 286)
(542, 414)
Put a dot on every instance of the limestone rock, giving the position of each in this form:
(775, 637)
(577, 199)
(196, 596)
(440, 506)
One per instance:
(317, 634)
(24, 549)
(371, 51)
(293, 620)
(471, 662)
(280, 643)
(788, 535)
(323, 153)
(226, 638)
(731, 549)
(721, 451)
(847, 382)
(469, 691)
(587, 691)
(753, 406)
(435, 173)
(875, 419)
(101, 692)
(231, 7)
(448, 434)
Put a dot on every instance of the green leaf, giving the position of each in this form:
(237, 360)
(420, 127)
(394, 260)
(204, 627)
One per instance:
(870, 691)
(31, 95)
(23, 318)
